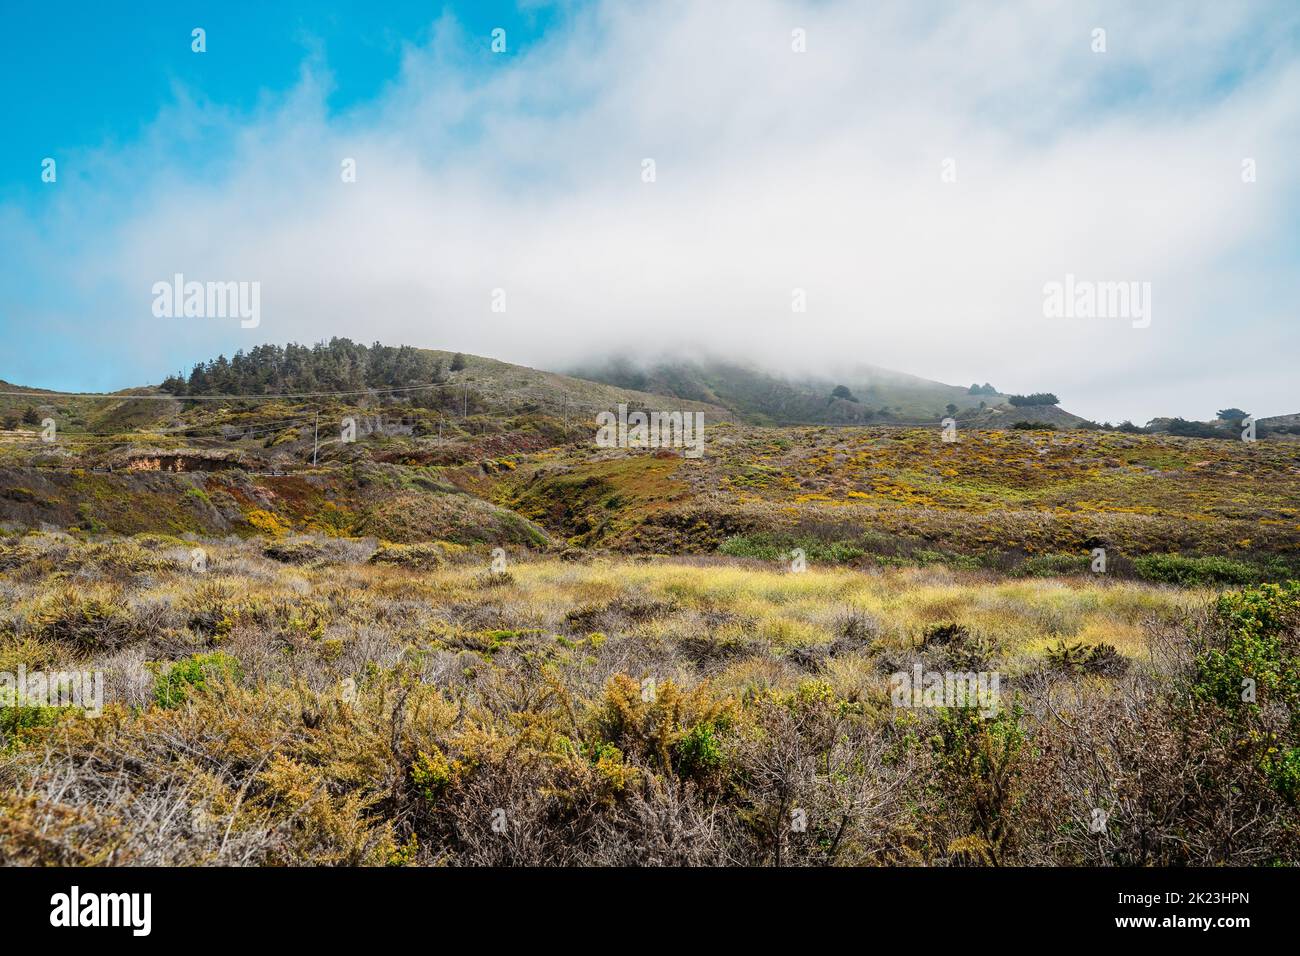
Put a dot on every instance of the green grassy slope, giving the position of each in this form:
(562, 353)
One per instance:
(762, 397)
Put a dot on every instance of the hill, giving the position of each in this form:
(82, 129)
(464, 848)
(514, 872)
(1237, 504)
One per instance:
(283, 390)
(861, 395)
(1281, 426)
(495, 452)
(1008, 416)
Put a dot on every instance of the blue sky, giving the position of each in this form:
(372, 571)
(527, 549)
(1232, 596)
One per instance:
(93, 82)
(97, 76)
(777, 170)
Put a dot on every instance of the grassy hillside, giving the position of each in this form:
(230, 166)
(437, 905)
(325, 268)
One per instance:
(996, 498)
(482, 385)
(506, 385)
(1024, 501)
(327, 663)
(763, 397)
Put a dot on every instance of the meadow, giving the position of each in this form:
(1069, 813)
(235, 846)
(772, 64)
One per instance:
(316, 699)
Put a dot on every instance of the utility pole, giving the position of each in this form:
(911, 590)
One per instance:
(315, 439)
(566, 415)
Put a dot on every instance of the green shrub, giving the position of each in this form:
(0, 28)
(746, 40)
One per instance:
(1190, 572)
(1052, 565)
(194, 673)
(770, 547)
(1254, 623)
(431, 773)
(19, 720)
(699, 751)
(87, 520)
(980, 765)
(1252, 670)
(941, 635)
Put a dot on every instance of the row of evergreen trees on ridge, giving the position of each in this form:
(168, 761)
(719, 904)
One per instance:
(337, 365)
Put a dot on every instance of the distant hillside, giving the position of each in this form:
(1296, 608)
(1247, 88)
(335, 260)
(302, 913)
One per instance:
(100, 414)
(426, 377)
(1276, 426)
(511, 384)
(864, 395)
(1006, 416)
(338, 373)
(1282, 426)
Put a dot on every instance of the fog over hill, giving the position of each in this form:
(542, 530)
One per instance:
(852, 395)
(797, 214)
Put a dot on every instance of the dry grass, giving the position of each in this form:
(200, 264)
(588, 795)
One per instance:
(299, 702)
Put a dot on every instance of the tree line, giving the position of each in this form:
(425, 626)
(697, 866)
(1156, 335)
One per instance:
(337, 365)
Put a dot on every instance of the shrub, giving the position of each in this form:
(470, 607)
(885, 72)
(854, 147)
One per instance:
(699, 751)
(267, 522)
(1253, 623)
(21, 719)
(855, 629)
(1188, 429)
(91, 620)
(1051, 565)
(1077, 657)
(184, 677)
(941, 635)
(979, 768)
(432, 773)
(294, 552)
(1189, 572)
(420, 556)
(771, 547)
(1252, 671)
(651, 729)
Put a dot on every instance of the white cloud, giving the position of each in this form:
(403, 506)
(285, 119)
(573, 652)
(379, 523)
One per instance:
(775, 170)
